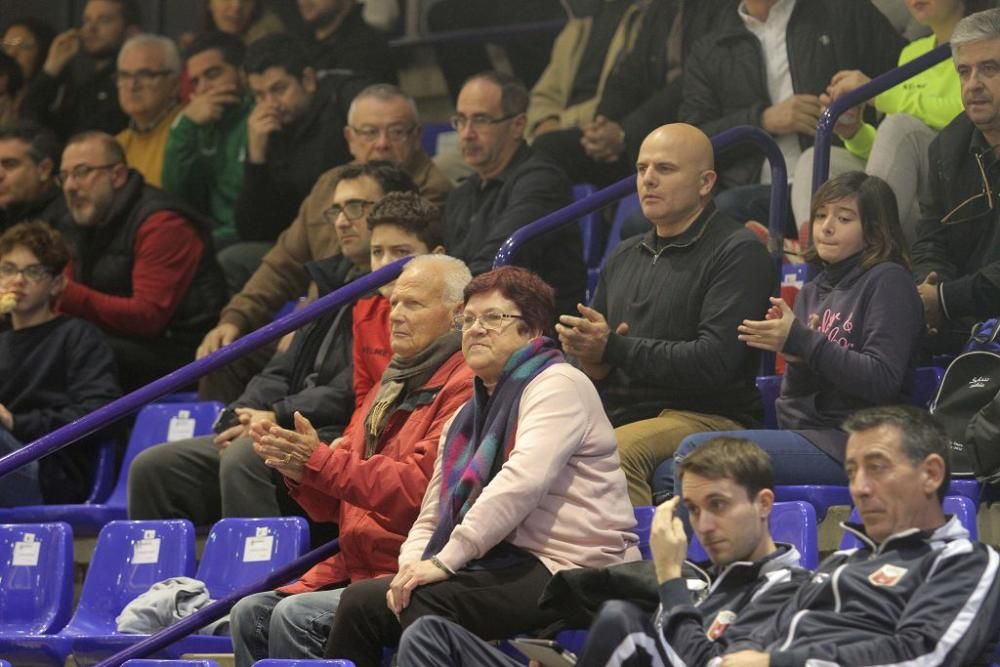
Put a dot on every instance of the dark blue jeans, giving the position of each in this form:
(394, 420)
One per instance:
(794, 458)
(19, 487)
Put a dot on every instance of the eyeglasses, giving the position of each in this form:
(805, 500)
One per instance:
(143, 77)
(491, 321)
(353, 209)
(478, 121)
(973, 207)
(396, 133)
(34, 273)
(81, 171)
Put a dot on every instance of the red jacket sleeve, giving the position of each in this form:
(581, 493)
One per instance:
(167, 252)
(390, 486)
(370, 351)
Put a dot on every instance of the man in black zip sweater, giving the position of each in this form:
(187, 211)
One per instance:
(918, 591)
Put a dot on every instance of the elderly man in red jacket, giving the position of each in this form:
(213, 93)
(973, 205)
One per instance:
(371, 480)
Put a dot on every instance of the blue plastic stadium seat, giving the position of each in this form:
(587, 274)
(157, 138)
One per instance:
(820, 496)
(960, 506)
(147, 662)
(275, 662)
(644, 522)
(238, 552)
(626, 206)
(36, 578)
(152, 426)
(429, 136)
(769, 387)
(926, 380)
(791, 522)
(130, 556)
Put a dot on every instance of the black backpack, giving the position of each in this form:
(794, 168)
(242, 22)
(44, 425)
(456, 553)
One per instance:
(968, 406)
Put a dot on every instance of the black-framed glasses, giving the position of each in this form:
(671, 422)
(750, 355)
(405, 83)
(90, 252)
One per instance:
(491, 321)
(34, 273)
(976, 206)
(396, 133)
(478, 121)
(144, 77)
(81, 171)
(353, 209)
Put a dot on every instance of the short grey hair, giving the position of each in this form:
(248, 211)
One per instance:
(920, 434)
(976, 27)
(171, 56)
(454, 274)
(383, 92)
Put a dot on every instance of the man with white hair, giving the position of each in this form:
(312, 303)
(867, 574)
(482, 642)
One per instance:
(959, 264)
(371, 480)
(382, 124)
(148, 79)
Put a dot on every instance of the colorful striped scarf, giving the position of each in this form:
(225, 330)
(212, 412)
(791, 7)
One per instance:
(482, 436)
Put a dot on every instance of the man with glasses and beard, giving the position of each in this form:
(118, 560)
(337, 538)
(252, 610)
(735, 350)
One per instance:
(75, 89)
(956, 256)
(143, 269)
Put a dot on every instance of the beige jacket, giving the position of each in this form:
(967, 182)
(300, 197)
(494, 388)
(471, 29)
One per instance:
(281, 276)
(550, 95)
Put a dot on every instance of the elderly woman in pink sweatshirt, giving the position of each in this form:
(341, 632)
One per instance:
(526, 483)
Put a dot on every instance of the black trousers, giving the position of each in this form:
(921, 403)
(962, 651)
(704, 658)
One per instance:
(492, 604)
(563, 147)
(528, 55)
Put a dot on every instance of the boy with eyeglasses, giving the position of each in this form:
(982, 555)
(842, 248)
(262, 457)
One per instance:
(53, 369)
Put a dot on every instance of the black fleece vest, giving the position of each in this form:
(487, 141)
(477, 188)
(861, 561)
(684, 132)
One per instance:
(105, 256)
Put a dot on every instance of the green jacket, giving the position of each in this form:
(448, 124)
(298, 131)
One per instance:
(204, 166)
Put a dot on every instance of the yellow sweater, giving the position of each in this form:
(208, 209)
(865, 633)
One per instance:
(144, 151)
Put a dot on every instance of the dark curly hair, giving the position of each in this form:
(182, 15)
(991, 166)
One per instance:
(410, 212)
(44, 242)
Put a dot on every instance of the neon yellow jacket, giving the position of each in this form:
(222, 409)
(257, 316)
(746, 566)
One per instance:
(934, 96)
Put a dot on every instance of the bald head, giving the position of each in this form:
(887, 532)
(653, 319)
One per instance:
(675, 176)
(689, 144)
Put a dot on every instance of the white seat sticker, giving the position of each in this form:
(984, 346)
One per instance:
(26, 551)
(181, 427)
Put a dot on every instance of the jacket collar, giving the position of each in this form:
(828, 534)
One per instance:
(952, 529)
(688, 237)
(520, 156)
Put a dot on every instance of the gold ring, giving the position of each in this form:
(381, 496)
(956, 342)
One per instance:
(287, 458)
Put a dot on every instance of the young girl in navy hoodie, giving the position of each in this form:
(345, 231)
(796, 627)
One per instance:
(849, 343)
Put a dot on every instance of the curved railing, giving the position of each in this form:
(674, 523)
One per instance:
(721, 142)
(187, 375)
(220, 608)
(880, 84)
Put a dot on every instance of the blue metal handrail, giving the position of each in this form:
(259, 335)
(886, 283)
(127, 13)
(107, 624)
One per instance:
(188, 374)
(880, 84)
(221, 607)
(721, 142)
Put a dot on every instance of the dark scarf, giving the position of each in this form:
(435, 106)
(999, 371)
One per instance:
(400, 378)
(482, 436)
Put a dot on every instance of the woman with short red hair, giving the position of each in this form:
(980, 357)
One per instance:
(527, 482)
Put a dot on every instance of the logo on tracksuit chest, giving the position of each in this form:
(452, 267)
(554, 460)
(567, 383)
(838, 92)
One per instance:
(887, 575)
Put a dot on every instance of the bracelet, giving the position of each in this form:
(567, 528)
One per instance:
(440, 565)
